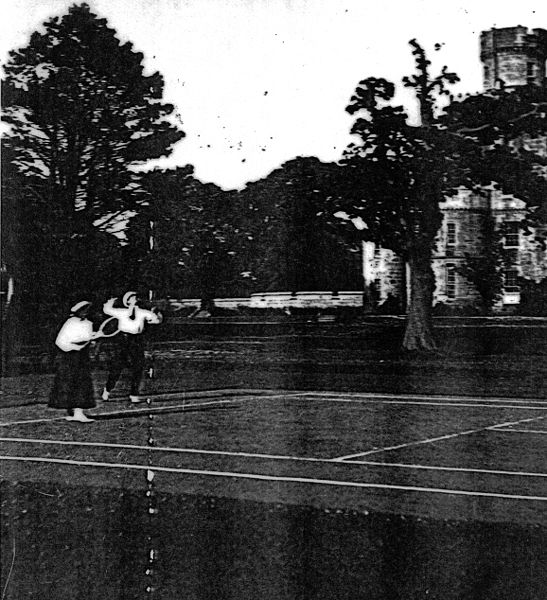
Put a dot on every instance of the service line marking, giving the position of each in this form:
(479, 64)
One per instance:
(435, 439)
(273, 457)
(146, 411)
(366, 395)
(422, 403)
(136, 411)
(535, 431)
(6, 423)
(284, 479)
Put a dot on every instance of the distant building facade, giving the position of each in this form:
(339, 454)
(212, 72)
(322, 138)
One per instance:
(511, 57)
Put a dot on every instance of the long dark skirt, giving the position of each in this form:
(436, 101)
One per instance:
(72, 386)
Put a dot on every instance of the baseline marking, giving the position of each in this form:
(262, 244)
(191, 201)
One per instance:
(270, 456)
(257, 476)
(435, 439)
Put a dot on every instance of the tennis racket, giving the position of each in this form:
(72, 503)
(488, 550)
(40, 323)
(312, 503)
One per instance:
(108, 328)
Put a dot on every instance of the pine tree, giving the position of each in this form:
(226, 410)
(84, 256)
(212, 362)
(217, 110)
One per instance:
(81, 114)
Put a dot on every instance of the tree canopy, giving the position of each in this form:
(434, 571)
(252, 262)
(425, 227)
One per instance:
(298, 243)
(81, 114)
(191, 239)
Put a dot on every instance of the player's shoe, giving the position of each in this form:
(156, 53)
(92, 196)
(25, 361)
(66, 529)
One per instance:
(79, 416)
(134, 399)
(105, 395)
(83, 419)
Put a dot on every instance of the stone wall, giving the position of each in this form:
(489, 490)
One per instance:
(282, 300)
(464, 214)
(514, 56)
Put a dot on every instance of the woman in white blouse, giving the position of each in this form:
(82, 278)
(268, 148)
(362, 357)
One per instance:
(129, 351)
(72, 387)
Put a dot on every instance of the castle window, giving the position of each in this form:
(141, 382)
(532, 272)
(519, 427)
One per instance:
(450, 238)
(530, 72)
(512, 237)
(511, 256)
(450, 281)
(511, 283)
(451, 234)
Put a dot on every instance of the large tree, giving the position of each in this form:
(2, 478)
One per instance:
(399, 173)
(81, 114)
(191, 239)
(298, 245)
(486, 269)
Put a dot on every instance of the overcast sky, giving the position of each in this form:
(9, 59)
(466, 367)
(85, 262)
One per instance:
(258, 82)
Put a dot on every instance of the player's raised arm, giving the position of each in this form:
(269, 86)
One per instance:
(108, 308)
(154, 316)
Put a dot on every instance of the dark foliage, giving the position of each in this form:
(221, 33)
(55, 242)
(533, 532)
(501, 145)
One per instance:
(299, 244)
(81, 113)
(191, 240)
(533, 298)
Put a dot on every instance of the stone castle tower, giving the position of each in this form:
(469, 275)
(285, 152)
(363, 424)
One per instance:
(513, 56)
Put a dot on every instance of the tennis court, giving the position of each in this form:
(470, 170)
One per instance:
(441, 465)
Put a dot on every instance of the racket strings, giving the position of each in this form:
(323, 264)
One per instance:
(108, 328)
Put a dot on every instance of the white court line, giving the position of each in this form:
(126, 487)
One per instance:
(141, 411)
(422, 403)
(519, 430)
(137, 411)
(4, 424)
(257, 476)
(423, 397)
(268, 456)
(435, 439)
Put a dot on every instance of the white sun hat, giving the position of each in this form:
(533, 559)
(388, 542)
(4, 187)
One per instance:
(79, 305)
(126, 297)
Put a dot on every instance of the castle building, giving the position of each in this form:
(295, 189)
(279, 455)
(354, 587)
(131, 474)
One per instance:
(511, 57)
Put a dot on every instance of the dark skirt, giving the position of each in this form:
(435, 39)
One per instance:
(72, 386)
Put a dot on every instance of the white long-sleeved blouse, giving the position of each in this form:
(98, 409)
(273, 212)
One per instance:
(74, 330)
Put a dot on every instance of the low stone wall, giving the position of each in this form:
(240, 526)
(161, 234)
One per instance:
(220, 302)
(283, 300)
(306, 299)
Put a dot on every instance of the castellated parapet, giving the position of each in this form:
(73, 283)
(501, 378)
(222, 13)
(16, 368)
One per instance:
(513, 56)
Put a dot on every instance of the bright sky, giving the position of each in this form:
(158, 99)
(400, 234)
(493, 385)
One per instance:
(258, 82)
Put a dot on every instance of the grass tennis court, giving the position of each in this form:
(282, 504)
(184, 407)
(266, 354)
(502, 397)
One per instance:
(285, 463)
(275, 493)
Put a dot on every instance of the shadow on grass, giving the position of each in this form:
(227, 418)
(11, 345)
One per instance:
(79, 543)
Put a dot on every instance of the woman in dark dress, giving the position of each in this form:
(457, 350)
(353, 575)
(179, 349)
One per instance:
(72, 388)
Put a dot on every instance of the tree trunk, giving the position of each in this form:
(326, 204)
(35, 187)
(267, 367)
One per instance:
(10, 339)
(369, 299)
(207, 304)
(419, 325)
